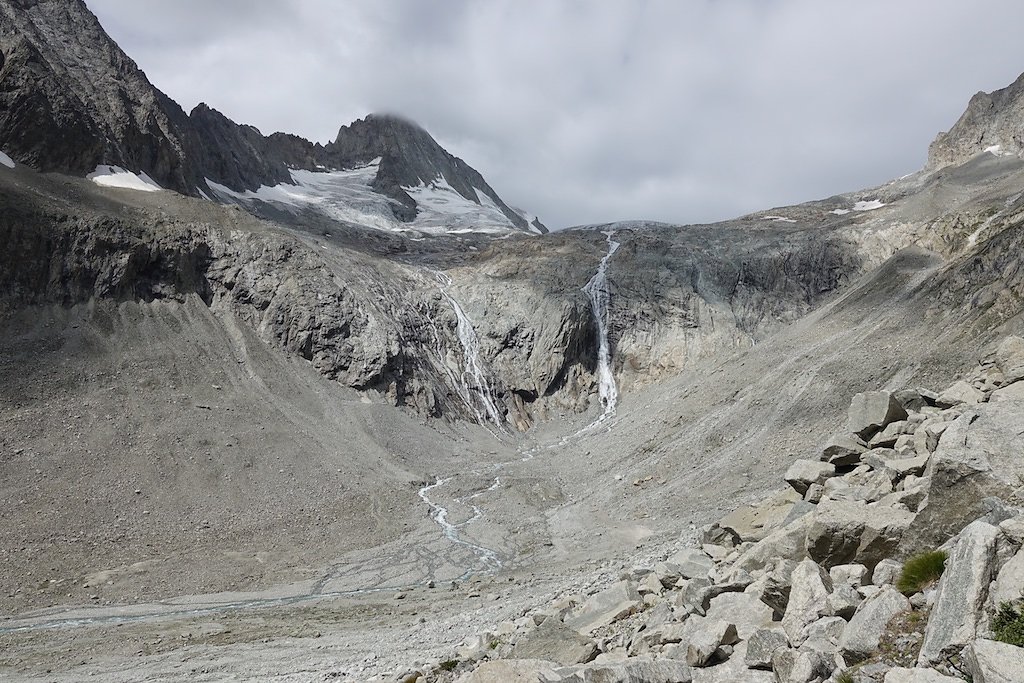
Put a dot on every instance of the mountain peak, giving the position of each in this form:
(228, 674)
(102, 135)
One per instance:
(993, 122)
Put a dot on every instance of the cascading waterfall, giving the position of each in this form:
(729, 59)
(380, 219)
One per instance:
(471, 361)
(597, 290)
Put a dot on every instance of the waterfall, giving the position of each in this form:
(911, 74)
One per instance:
(471, 360)
(597, 291)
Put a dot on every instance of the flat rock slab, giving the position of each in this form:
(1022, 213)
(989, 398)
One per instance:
(989, 661)
(961, 594)
(1010, 358)
(754, 522)
(861, 636)
(844, 532)
(610, 605)
(633, 670)
(555, 642)
(512, 671)
(871, 411)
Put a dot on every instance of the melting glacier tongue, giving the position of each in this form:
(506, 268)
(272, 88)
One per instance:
(597, 290)
(471, 360)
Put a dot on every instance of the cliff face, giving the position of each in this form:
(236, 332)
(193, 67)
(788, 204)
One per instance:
(992, 122)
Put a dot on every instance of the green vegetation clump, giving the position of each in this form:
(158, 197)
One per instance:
(921, 571)
(1008, 624)
(845, 677)
(449, 665)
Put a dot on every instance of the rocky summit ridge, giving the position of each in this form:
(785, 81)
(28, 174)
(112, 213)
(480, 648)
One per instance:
(74, 102)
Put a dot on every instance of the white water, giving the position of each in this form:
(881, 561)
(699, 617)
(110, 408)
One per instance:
(478, 386)
(439, 513)
(597, 290)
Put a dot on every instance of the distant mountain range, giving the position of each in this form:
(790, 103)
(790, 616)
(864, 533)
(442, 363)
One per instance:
(72, 101)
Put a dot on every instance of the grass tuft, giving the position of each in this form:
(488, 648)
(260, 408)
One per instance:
(845, 677)
(921, 571)
(1008, 624)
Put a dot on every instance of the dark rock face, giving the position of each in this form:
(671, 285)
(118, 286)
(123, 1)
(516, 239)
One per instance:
(71, 100)
(992, 119)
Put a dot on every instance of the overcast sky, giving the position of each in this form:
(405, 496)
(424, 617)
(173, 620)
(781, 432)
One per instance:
(585, 111)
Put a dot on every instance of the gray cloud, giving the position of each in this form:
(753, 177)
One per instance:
(596, 111)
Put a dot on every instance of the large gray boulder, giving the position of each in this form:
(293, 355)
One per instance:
(642, 669)
(705, 640)
(802, 473)
(808, 600)
(552, 641)
(801, 666)
(871, 411)
(754, 522)
(961, 594)
(692, 563)
(1010, 583)
(743, 610)
(843, 450)
(1010, 359)
(861, 637)
(788, 543)
(988, 661)
(611, 604)
(977, 458)
(762, 646)
(842, 532)
(512, 671)
(732, 670)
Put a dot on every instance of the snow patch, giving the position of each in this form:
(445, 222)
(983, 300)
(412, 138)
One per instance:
(997, 151)
(779, 219)
(868, 205)
(115, 176)
(840, 212)
(6, 160)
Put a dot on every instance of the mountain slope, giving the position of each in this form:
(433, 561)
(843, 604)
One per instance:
(993, 122)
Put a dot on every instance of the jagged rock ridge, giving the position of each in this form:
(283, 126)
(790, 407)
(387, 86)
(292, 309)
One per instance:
(993, 122)
(71, 101)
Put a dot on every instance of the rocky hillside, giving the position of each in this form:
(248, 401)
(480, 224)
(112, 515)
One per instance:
(897, 556)
(71, 101)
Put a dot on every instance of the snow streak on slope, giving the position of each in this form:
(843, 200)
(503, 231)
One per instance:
(6, 160)
(115, 176)
(597, 291)
(348, 196)
(477, 384)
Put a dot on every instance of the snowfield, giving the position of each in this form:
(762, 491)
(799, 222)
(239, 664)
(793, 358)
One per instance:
(868, 205)
(115, 176)
(6, 160)
(347, 195)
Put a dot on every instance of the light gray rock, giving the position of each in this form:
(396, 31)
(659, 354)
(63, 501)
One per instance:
(842, 532)
(863, 633)
(961, 593)
(799, 666)
(866, 485)
(746, 612)
(960, 392)
(611, 604)
(762, 646)
(898, 468)
(789, 542)
(706, 639)
(1010, 359)
(904, 675)
(754, 522)
(555, 642)
(802, 473)
(824, 635)
(733, 670)
(887, 437)
(989, 661)
(871, 411)
(977, 458)
(848, 574)
(777, 584)
(1014, 392)
(1013, 529)
(886, 572)
(512, 671)
(1009, 584)
(644, 669)
(843, 450)
(844, 600)
(692, 563)
(811, 586)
